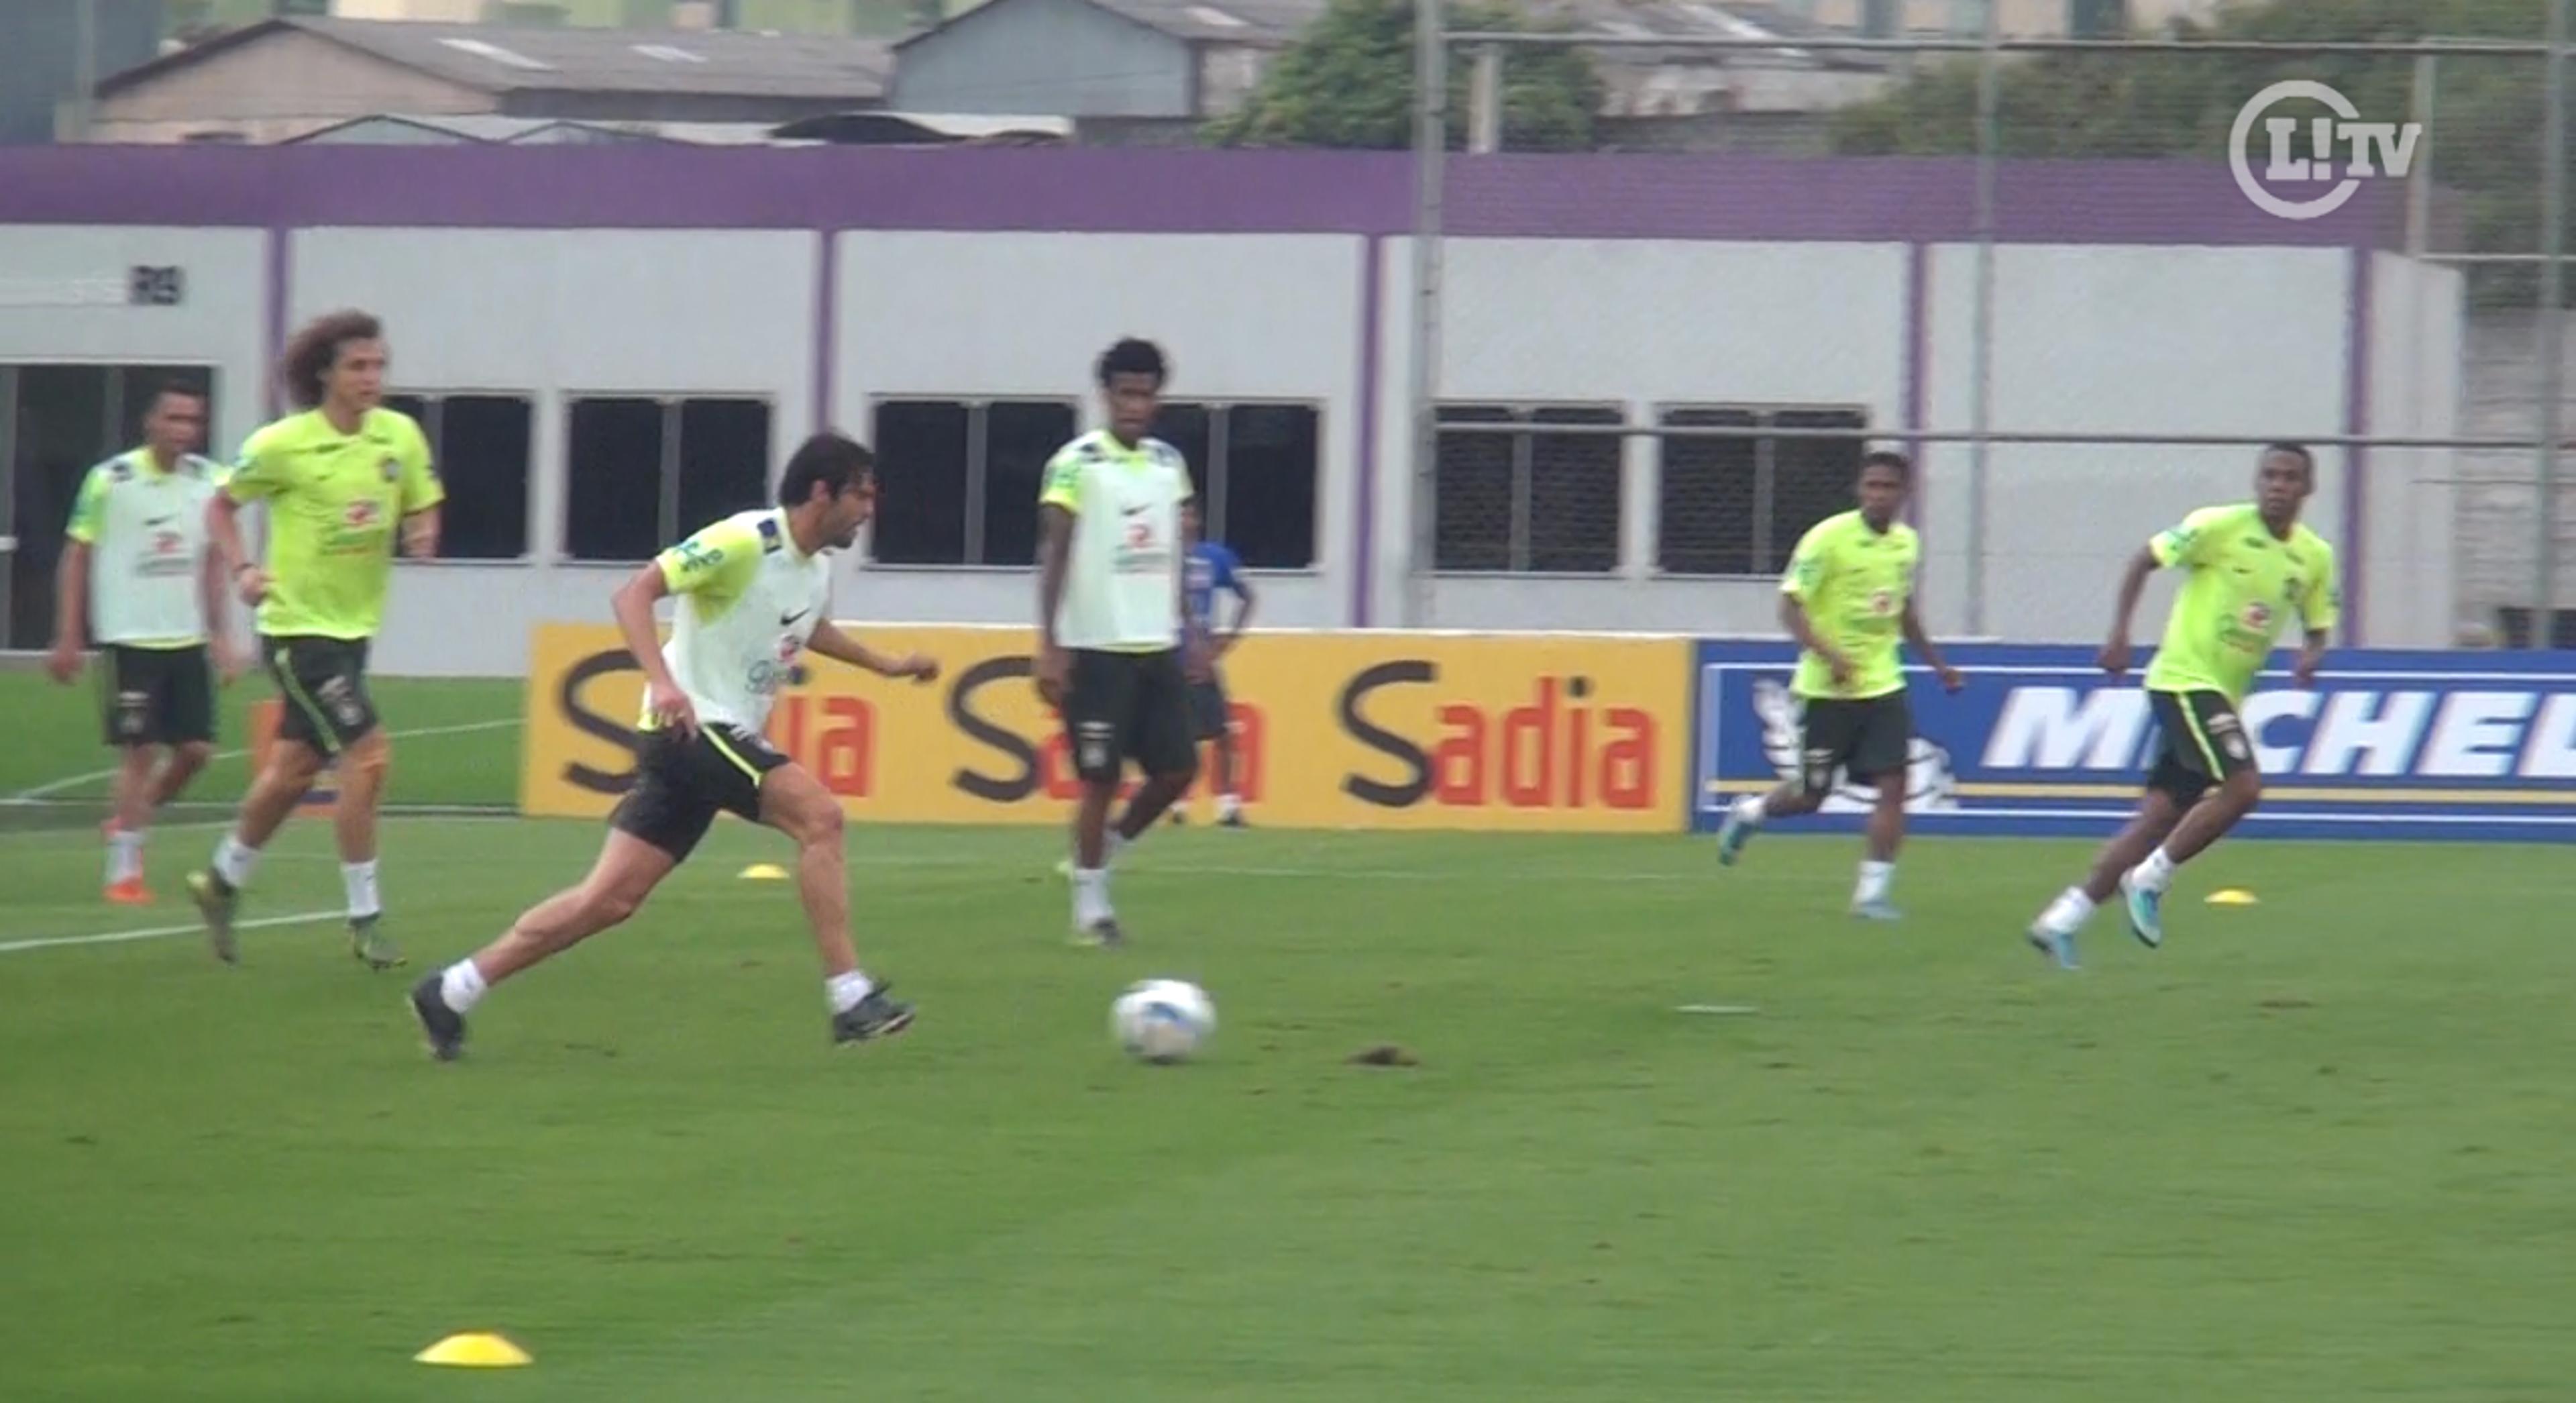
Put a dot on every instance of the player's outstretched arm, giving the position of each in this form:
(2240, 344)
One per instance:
(1912, 623)
(2115, 652)
(420, 534)
(633, 606)
(71, 593)
(1793, 617)
(223, 535)
(2311, 657)
(1055, 541)
(840, 647)
(1244, 601)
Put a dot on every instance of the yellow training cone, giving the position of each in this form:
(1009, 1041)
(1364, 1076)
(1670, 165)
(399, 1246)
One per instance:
(475, 1351)
(764, 872)
(2231, 896)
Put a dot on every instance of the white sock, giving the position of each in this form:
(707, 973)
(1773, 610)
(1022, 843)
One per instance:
(462, 986)
(1750, 812)
(2068, 913)
(235, 860)
(1090, 896)
(1874, 880)
(846, 990)
(1112, 845)
(2156, 873)
(1227, 806)
(124, 856)
(360, 879)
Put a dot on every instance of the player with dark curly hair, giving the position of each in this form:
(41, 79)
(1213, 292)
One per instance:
(340, 477)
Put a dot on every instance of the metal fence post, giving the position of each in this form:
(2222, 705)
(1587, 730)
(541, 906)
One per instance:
(1981, 377)
(1430, 148)
(2553, 247)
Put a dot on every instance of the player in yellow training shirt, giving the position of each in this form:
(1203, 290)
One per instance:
(339, 480)
(1112, 655)
(1848, 598)
(751, 594)
(2248, 567)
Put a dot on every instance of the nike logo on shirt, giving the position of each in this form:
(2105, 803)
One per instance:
(160, 520)
(786, 619)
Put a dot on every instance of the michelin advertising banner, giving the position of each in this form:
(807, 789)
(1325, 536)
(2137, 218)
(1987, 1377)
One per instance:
(2468, 745)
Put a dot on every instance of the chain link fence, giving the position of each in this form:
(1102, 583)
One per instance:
(2082, 281)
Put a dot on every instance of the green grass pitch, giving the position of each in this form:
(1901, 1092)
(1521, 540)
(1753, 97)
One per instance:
(2316, 1148)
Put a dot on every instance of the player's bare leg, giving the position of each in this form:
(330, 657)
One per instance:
(1229, 805)
(187, 761)
(1790, 800)
(141, 790)
(353, 824)
(796, 804)
(626, 873)
(1155, 795)
(2053, 933)
(273, 795)
(1886, 835)
(126, 824)
(1093, 845)
(2218, 811)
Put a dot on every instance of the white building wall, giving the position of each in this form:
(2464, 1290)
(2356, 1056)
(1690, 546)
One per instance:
(2234, 341)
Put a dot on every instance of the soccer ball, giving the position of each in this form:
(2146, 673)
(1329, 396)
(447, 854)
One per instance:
(1162, 1020)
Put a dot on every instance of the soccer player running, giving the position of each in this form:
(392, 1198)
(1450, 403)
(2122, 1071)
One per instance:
(1214, 567)
(1112, 654)
(337, 477)
(136, 555)
(1847, 599)
(753, 591)
(2246, 568)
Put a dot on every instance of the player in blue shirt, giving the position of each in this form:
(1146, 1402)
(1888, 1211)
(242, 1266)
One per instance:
(1214, 568)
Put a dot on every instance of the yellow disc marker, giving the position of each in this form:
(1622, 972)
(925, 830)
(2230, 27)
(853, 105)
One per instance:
(475, 1351)
(2231, 896)
(764, 872)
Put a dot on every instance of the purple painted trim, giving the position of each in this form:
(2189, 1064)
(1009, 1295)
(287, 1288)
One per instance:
(280, 274)
(2356, 460)
(1133, 189)
(1918, 347)
(1364, 514)
(827, 324)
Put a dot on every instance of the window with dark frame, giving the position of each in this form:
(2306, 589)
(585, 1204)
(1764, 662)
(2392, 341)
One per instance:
(1253, 467)
(1530, 502)
(646, 471)
(481, 445)
(1737, 506)
(958, 479)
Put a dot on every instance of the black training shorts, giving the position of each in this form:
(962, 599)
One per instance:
(1208, 716)
(682, 782)
(1129, 706)
(2200, 741)
(324, 682)
(158, 696)
(1866, 738)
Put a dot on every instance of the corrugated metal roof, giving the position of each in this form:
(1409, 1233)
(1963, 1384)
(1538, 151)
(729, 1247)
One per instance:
(1270, 23)
(504, 58)
(1222, 21)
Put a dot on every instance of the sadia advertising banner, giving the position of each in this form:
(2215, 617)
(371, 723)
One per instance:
(1576, 733)
(2387, 744)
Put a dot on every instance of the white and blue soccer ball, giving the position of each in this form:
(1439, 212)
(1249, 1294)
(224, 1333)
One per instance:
(1162, 1020)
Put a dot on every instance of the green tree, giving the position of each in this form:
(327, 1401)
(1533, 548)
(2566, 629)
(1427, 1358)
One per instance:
(1349, 82)
(2484, 135)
